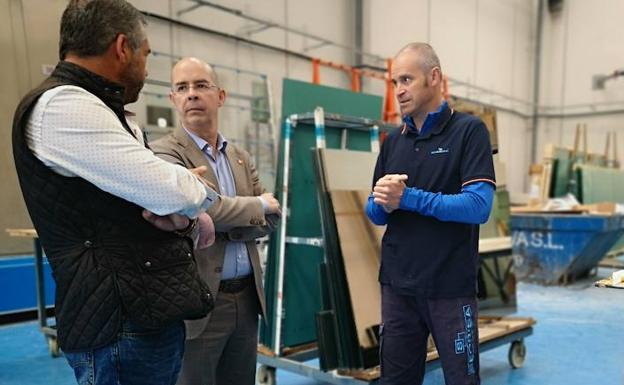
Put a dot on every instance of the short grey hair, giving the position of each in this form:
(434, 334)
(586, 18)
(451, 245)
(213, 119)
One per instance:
(88, 27)
(427, 55)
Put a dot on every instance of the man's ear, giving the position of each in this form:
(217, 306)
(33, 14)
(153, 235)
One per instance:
(122, 48)
(436, 76)
(222, 95)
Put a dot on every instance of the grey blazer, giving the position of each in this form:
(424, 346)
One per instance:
(241, 217)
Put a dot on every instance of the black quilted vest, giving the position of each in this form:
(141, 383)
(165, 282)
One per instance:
(109, 264)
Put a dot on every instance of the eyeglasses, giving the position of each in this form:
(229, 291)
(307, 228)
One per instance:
(184, 88)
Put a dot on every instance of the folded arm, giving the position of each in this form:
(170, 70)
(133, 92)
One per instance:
(84, 138)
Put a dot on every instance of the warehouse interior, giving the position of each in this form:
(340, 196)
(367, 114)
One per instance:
(311, 98)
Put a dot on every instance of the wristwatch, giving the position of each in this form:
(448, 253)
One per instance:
(188, 229)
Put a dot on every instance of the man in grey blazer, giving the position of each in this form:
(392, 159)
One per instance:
(221, 348)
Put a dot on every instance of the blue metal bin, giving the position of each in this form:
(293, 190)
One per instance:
(554, 248)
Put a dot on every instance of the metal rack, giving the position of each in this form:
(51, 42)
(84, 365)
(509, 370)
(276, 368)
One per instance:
(296, 363)
(49, 331)
(496, 331)
(320, 120)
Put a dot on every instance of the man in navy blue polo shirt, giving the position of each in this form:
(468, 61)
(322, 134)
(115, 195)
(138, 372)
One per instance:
(433, 185)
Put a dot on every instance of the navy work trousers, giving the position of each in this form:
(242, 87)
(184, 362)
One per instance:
(406, 324)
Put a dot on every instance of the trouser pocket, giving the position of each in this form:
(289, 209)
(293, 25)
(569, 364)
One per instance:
(82, 364)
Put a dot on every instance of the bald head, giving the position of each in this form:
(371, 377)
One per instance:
(192, 63)
(196, 94)
(417, 80)
(427, 57)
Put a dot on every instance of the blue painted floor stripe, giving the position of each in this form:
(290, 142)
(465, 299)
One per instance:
(578, 340)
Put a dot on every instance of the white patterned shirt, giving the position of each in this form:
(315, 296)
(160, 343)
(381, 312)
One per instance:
(75, 134)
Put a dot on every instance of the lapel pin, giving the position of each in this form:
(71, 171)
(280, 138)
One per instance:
(240, 161)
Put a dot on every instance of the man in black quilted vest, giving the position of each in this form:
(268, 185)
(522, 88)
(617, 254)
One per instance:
(117, 223)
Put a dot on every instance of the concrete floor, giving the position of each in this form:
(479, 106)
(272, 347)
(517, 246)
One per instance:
(578, 340)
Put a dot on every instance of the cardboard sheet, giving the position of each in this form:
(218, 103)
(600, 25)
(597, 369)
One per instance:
(348, 177)
(360, 244)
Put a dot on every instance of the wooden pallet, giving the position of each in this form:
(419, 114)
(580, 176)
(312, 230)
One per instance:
(28, 233)
(490, 328)
(612, 262)
(607, 282)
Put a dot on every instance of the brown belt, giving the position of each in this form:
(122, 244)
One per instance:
(221, 236)
(236, 285)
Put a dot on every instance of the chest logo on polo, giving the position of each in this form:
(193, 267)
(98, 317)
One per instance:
(440, 150)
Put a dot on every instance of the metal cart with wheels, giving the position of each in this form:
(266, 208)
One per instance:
(346, 336)
(493, 332)
(333, 368)
(49, 331)
(517, 354)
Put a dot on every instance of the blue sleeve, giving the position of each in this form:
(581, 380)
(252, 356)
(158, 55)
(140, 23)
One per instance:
(375, 212)
(472, 205)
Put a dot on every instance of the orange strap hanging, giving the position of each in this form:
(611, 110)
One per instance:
(316, 71)
(355, 80)
(389, 108)
(389, 112)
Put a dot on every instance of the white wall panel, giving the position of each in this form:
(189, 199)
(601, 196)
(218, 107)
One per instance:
(454, 37)
(582, 40)
(487, 43)
(389, 25)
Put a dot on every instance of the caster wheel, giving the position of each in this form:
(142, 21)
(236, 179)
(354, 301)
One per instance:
(265, 375)
(55, 351)
(517, 354)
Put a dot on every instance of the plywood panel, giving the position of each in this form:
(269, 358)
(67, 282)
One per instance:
(360, 247)
(14, 80)
(349, 170)
(348, 180)
(29, 38)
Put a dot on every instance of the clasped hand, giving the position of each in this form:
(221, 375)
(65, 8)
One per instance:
(388, 191)
(176, 222)
(273, 205)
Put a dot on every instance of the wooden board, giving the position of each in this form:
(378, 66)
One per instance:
(607, 282)
(29, 233)
(359, 239)
(600, 208)
(489, 245)
(612, 261)
(360, 244)
(342, 175)
(490, 328)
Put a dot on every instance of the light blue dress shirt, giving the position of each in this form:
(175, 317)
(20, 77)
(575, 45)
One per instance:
(236, 263)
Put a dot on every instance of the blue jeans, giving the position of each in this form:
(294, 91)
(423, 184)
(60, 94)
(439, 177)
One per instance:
(139, 356)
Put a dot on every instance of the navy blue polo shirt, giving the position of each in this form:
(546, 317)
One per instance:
(422, 255)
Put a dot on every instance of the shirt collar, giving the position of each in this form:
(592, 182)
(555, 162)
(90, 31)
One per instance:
(110, 92)
(203, 145)
(432, 120)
